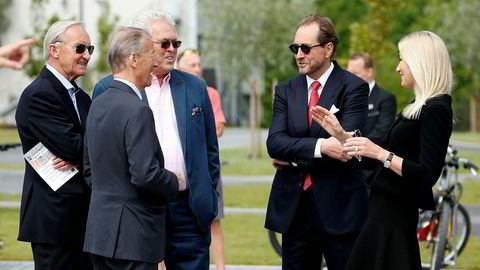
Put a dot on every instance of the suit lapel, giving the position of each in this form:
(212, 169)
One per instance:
(329, 96)
(64, 96)
(179, 96)
(299, 97)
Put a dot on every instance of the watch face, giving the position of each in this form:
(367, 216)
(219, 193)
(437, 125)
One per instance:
(386, 164)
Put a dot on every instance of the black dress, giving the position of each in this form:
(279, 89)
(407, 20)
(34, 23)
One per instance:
(388, 239)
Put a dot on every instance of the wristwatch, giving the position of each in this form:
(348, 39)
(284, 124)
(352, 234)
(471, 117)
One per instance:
(388, 161)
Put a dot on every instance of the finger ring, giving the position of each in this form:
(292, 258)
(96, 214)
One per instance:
(356, 148)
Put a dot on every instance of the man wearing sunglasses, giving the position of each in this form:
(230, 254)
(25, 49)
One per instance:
(317, 200)
(53, 110)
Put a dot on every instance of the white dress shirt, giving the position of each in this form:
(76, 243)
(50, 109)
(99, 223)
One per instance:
(68, 85)
(160, 100)
(134, 88)
(322, 80)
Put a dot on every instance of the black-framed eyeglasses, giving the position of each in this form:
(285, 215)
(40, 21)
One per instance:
(80, 48)
(166, 43)
(304, 47)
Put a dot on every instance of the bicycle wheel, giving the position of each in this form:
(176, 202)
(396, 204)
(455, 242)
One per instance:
(462, 233)
(442, 234)
(275, 242)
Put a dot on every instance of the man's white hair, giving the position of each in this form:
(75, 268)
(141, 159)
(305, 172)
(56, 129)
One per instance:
(143, 19)
(55, 32)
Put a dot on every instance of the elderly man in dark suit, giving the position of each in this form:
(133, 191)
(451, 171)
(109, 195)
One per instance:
(53, 110)
(317, 200)
(124, 164)
(382, 106)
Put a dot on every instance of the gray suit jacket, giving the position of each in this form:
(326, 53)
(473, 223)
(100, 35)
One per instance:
(124, 166)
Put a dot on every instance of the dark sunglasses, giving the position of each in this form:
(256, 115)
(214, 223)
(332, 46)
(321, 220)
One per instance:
(166, 44)
(80, 48)
(304, 47)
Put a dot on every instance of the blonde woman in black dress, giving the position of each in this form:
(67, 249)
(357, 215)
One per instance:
(411, 161)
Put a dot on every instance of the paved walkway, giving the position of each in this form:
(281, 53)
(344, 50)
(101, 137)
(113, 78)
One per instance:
(29, 266)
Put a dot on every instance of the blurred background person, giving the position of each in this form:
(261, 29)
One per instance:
(190, 61)
(382, 106)
(15, 55)
(412, 158)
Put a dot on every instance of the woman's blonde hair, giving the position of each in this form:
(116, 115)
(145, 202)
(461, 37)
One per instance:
(427, 57)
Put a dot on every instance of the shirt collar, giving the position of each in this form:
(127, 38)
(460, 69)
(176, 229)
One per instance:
(371, 85)
(135, 89)
(66, 83)
(323, 79)
(165, 80)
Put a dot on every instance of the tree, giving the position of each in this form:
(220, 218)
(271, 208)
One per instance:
(105, 26)
(40, 28)
(246, 34)
(457, 23)
(4, 22)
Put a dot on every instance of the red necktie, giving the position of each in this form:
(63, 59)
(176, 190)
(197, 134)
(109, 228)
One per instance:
(313, 102)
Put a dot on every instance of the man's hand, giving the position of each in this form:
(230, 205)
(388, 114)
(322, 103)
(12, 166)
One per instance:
(61, 164)
(278, 164)
(15, 55)
(334, 149)
(328, 121)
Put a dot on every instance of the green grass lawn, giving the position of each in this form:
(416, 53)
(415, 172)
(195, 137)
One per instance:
(237, 162)
(10, 197)
(12, 249)
(9, 135)
(473, 137)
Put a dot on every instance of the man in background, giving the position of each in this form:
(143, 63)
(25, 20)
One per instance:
(190, 61)
(382, 106)
(53, 110)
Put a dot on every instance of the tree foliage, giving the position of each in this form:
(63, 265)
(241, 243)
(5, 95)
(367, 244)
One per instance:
(105, 25)
(4, 22)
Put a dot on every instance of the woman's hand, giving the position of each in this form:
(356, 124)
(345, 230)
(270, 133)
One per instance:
(361, 146)
(328, 121)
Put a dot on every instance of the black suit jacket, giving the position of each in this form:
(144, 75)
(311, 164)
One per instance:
(124, 165)
(382, 108)
(46, 114)
(339, 191)
(422, 143)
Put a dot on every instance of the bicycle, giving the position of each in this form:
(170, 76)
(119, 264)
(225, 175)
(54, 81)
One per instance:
(444, 232)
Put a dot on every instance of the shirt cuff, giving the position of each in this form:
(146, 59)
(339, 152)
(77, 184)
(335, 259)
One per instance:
(318, 149)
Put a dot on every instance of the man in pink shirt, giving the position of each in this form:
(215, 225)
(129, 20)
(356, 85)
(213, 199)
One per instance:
(189, 61)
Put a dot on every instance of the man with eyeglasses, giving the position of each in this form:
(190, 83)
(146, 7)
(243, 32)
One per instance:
(317, 202)
(53, 110)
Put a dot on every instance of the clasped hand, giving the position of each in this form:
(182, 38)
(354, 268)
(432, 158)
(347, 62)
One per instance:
(352, 146)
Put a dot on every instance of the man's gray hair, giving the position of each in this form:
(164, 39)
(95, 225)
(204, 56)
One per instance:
(55, 33)
(144, 18)
(124, 42)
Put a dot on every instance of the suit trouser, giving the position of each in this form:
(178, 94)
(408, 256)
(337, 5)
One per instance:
(60, 257)
(104, 263)
(306, 240)
(187, 245)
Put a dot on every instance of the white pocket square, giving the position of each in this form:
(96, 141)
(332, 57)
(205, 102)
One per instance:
(334, 109)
